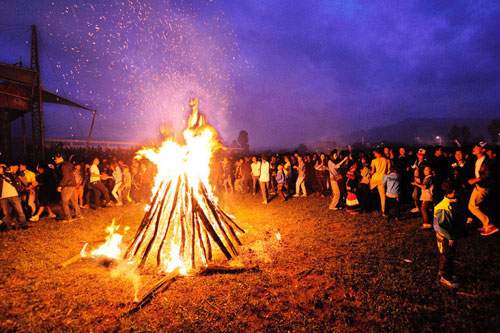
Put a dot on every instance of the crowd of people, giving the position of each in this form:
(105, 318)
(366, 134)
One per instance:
(72, 184)
(449, 188)
(445, 186)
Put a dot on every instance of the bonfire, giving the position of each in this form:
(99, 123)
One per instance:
(183, 220)
(183, 227)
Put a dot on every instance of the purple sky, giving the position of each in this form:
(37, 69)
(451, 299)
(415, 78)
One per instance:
(288, 72)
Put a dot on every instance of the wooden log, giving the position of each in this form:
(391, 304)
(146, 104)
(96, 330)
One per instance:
(170, 215)
(212, 233)
(217, 220)
(71, 260)
(146, 221)
(216, 269)
(157, 288)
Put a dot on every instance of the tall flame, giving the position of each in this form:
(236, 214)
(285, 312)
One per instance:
(183, 217)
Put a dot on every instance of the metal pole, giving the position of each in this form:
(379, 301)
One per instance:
(91, 128)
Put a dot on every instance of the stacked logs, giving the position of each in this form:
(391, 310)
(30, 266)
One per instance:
(188, 216)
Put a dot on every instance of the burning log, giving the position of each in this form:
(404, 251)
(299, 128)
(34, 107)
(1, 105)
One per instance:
(189, 215)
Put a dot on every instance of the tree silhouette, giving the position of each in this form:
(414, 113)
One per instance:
(465, 134)
(301, 149)
(454, 133)
(461, 134)
(243, 141)
(494, 130)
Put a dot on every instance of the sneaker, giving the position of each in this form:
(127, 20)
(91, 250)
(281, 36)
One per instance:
(119, 204)
(385, 215)
(449, 283)
(34, 218)
(264, 202)
(426, 226)
(304, 195)
(108, 204)
(52, 215)
(296, 195)
(489, 231)
(480, 229)
(415, 210)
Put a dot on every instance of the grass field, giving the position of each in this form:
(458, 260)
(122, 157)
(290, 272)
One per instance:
(330, 271)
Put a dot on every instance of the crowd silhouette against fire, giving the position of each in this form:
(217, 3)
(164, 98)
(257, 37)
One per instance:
(444, 186)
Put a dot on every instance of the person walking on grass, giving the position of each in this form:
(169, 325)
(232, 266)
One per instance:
(67, 186)
(96, 184)
(335, 178)
(482, 183)
(427, 198)
(392, 183)
(280, 181)
(449, 225)
(255, 174)
(9, 198)
(379, 168)
(47, 186)
(301, 177)
(118, 183)
(352, 203)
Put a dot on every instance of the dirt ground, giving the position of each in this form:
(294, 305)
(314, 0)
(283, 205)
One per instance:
(327, 271)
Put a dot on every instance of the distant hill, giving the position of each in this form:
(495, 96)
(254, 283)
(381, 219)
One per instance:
(413, 131)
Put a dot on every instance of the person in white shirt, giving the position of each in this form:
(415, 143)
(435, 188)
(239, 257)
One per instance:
(255, 174)
(9, 197)
(97, 186)
(264, 179)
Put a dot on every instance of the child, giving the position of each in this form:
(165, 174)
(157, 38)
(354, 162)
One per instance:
(426, 197)
(392, 182)
(281, 181)
(449, 225)
(352, 203)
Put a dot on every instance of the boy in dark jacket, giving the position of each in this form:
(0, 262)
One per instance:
(449, 224)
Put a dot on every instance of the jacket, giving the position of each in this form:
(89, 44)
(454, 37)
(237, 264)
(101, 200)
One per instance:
(448, 219)
(66, 175)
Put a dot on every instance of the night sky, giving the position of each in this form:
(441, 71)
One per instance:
(288, 72)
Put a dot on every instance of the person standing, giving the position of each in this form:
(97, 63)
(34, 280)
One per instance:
(67, 187)
(427, 197)
(280, 180)
(28, 178)
(264, 179)
(481, 183)
(335, 177)
(47, 186)
(301, 177)
(118, 182)
(96, 185)
(255, 174)
(379, 168)
(9, 197)
(449, 225)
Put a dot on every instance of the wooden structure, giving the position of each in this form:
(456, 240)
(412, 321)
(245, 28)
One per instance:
(21, 92)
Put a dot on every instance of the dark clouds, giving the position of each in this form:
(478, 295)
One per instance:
(288, 72)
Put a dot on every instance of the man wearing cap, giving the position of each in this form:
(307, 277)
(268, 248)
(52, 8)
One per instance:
(67, 186)
(481, 184)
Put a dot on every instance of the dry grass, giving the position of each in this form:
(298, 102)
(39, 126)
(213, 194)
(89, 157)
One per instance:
(329, 272)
